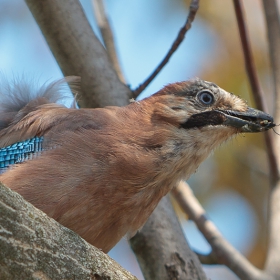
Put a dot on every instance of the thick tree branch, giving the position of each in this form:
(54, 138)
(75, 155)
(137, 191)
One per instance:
(34, 246)
(180, 37)
(79, 52)
(164, 254)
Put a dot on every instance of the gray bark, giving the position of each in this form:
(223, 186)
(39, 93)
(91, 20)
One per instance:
(162, 253)
(273, 34)
(34, 246)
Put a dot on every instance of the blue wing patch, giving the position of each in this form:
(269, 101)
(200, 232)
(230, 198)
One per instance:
(19, 152)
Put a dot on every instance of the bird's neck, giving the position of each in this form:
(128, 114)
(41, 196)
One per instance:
(174, 153)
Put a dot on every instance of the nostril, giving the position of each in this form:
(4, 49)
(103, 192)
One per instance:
(264, 122)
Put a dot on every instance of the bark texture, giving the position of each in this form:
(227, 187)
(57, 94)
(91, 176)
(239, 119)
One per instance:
(79, 52)
(34, 246)
(164, 254)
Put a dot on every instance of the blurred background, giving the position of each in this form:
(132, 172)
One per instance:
(232, 184)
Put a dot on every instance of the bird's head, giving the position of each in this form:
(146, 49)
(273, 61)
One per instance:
(197, 104)
(194, 117)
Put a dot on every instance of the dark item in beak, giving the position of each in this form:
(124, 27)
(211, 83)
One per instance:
(251, 120)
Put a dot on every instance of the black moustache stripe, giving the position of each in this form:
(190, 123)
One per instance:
(204, 119)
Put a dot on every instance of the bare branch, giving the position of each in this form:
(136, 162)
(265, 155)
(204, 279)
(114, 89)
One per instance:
(107, 35)
(248, 56)
(180, 37)
(255, 84)
(273, 32)
(224, 252)
(273, 254)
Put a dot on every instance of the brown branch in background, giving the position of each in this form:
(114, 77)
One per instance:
(255, 84)
(222, 251)
(180, 37)
(107, 35)
(248, 56)
(273, 33)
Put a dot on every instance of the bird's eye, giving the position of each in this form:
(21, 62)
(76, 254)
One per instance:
(206, 97)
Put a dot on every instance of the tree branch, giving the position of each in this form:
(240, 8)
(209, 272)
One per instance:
(273, 144)
(34, 246)
(248, 56)
(164, 254)
(180, 37)
(207, 259)
(79, 52)
(223, 251)
(273, 35)
(107, 35)
(255, 84)
(273, 32)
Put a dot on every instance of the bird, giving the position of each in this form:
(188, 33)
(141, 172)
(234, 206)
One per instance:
(101, 172)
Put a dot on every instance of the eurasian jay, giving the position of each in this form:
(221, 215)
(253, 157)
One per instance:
(101, 172)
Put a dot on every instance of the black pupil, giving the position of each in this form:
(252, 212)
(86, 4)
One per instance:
(206, 98)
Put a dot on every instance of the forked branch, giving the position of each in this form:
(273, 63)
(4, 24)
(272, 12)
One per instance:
(254, 83)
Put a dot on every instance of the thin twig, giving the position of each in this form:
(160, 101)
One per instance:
(107, 35)
(255, 84)
(180, 37)
(223, 251)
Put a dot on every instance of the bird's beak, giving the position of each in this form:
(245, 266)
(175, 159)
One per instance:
(251, 120)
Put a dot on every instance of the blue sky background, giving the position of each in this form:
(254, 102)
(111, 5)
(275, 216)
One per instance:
(144, 31)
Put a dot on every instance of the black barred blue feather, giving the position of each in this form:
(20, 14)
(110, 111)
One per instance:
(19, 152)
